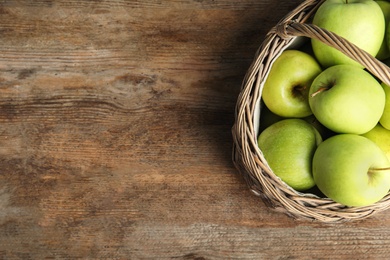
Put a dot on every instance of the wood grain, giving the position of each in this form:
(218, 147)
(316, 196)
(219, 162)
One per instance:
(115, 139)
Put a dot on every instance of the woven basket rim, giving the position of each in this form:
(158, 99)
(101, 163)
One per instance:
(247, 156)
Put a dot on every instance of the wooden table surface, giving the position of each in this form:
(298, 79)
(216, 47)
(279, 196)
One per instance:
(115, 136)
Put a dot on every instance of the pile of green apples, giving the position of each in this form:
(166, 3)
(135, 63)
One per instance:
(325, 120)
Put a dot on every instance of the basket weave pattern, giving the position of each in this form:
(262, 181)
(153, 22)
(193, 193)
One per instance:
(247, 156)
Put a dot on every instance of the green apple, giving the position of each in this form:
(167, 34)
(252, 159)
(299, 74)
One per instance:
(380, 136)
(347, 99)
(286, 88)
(352, 170)
(288, 147)
(385, 118)
(384, 51)
(361, 22)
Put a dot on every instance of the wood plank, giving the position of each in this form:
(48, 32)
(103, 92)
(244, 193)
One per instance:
(115, 140)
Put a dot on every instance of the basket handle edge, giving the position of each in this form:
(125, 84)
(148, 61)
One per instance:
(290, 29)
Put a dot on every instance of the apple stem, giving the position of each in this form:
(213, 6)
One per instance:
(322, 89)
(372, 170)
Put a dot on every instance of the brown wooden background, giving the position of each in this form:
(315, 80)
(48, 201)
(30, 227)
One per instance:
(115, 140)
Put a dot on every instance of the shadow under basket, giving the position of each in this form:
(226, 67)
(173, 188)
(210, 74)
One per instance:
(247, 156)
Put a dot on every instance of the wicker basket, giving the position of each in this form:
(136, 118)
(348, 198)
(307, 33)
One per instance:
(247, 156)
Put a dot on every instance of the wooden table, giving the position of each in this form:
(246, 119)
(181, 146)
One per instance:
(115, 136)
